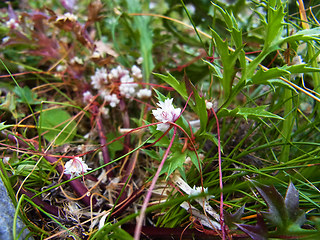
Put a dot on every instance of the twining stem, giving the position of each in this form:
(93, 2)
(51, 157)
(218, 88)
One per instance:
(104, 148)
(223, 229)
(132, 161)
(137, 231)
(76, 184)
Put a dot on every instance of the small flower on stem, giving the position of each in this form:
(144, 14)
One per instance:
(144, 93)
(76, 167)
(166, 113)
(12, 23)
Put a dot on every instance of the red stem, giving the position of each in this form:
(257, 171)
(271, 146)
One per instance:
(104, 148)
(137, 231)
(223, 230)
(76, 184)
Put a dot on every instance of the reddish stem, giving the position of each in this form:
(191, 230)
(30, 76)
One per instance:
(46, 206)
(137, 231)
(104, 148)
(223, 230)
(76, 184)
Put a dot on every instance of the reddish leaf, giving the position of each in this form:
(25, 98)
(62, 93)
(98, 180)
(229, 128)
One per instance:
(231, 219)
(257, 232)
(277, 213)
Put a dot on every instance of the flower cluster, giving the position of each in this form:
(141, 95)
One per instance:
(117, 83)
(67, 16)
(166, 113)
(12, 23)
(76, 167)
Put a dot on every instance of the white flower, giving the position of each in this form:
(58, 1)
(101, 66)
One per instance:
(5, 39)
(209, 105)
(144, 93)
(198, 190)
(191, 8)
(87, 97)
(76, 60)
(67, 16)
(61, 68)
(12, 23)
(296, 60)
(104, 112)
(99, 78)
(136, 72)
(6, 160)
(76, 167)
(140, 60)
(127, 86)
(166, 113)
(96, 54)
(112, 99)
(118, 72)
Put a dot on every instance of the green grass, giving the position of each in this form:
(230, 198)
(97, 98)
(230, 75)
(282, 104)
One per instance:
(238, 56)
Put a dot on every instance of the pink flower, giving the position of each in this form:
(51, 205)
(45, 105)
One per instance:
(76, 167)
(166, 113)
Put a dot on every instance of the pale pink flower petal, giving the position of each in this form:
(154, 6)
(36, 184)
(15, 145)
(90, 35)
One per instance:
(166, 113)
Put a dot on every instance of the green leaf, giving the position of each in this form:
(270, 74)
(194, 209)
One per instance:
(179, 87)
(194, 159)
(254, 113)
(53, 122)
(26, 95)
(275, 23)
(285, 213)
(276, 214)
(261, 76)
(118, 234)
(10, 104)
(304, 35)
(3, 126)
(115, 146)
(291, 201)
(198, 105)
(175, 161)
(302, 68)
(232, 218)
(141, 24)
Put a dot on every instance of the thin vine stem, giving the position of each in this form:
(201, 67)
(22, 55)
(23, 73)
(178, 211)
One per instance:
(138, 228)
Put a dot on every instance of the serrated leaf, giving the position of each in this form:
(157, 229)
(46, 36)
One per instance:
(302, 68)
(283, 213)
(257, 232)
(296, 215)
(3, 126)
(232, 218)
(185, 88)
(179, 87)
(276, 214)
(216, 70)
(261, 76)
(304, 35)
(53, 122)
(275, 23)
(194, 159)
(280, 83)
(257, 112)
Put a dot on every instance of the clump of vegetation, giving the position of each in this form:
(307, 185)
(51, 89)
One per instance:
(127, 119)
